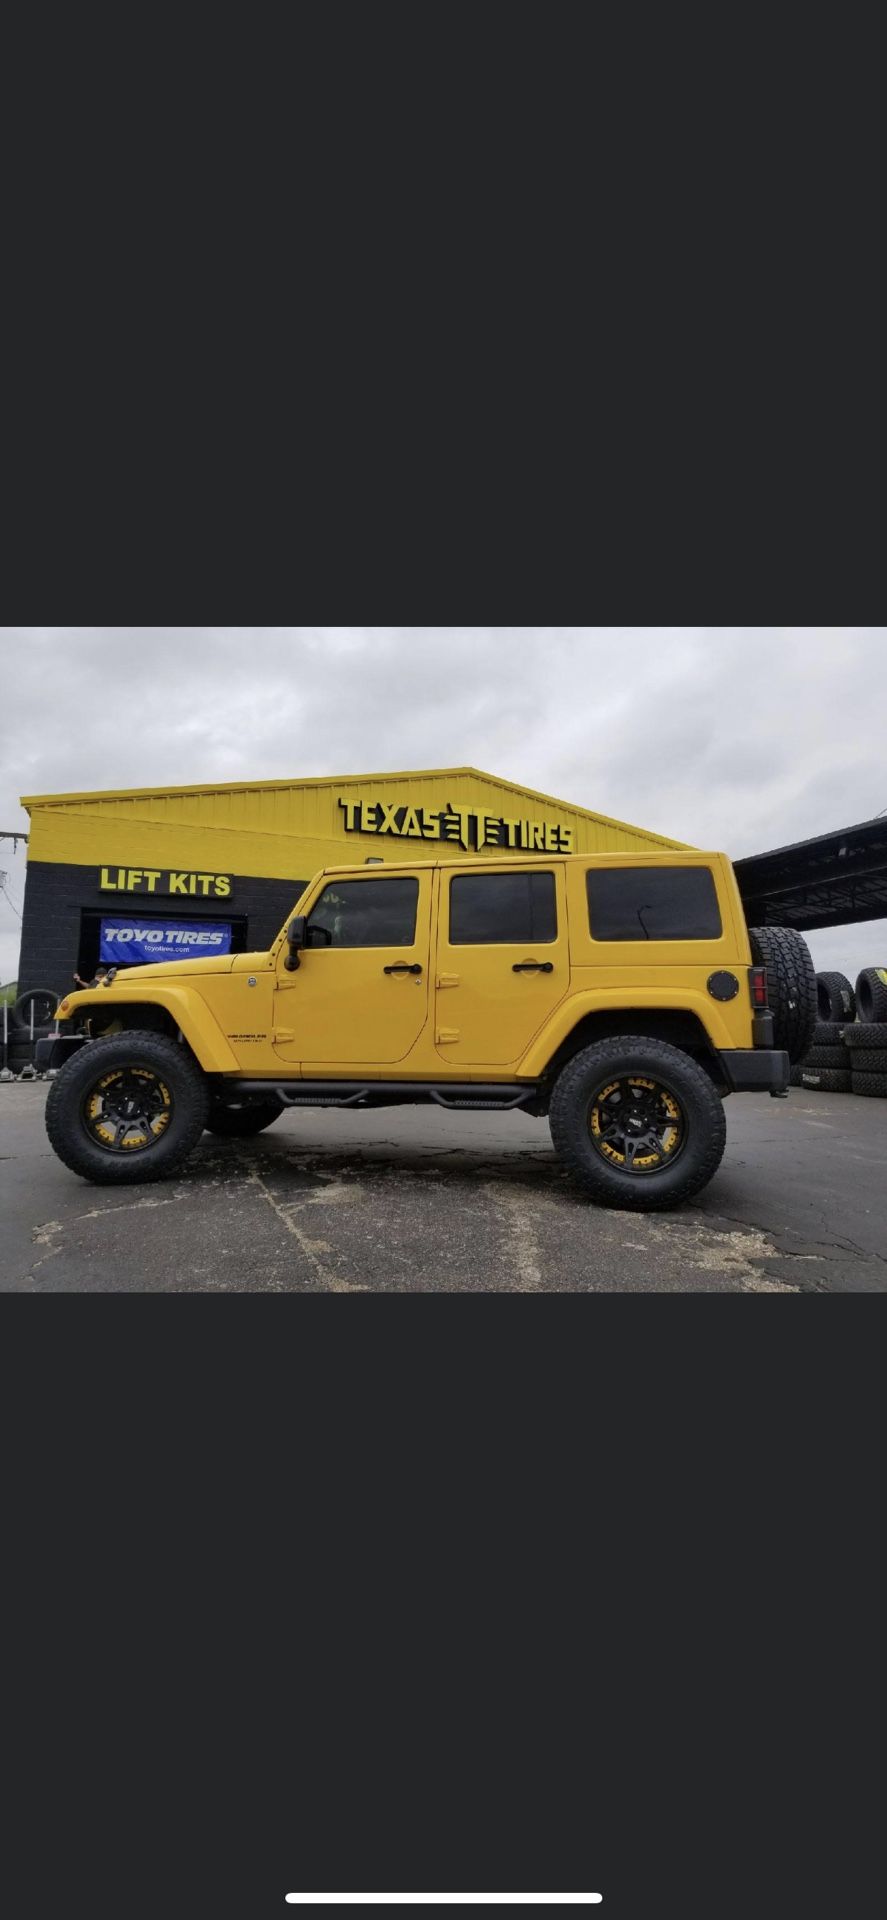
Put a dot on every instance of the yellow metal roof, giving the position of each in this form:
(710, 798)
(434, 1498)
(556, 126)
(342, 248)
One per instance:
(108, 795)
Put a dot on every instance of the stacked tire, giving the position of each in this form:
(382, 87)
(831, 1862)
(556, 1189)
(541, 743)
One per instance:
(836, 999)
(826, 1068)
(27, 1022)
(867, 1040)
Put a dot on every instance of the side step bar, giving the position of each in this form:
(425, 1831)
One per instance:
(493, 1098)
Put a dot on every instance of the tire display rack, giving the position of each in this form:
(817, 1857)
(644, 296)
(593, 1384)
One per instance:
(30, 1019)
(849, 1054)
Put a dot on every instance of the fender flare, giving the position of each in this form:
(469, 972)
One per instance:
(188, 1009)
(574, 1010)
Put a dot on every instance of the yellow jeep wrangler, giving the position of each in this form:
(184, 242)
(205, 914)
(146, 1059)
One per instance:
(621, 995)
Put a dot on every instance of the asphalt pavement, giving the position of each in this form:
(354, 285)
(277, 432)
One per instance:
(417, 1200)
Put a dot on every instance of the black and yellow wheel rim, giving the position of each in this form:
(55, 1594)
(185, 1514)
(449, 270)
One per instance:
(128, 1110)
(637, 1125)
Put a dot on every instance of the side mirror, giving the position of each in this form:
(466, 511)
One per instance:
(296, 934)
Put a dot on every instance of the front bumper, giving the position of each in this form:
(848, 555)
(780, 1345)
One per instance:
(757, 1070)
(56, 1049)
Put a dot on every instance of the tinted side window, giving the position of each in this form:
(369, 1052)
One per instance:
(495, 908)
(368, 913)
(653, 903)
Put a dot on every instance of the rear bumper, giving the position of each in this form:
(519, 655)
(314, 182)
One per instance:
(757, 1070)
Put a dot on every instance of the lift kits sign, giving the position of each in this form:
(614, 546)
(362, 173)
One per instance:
(166, 880)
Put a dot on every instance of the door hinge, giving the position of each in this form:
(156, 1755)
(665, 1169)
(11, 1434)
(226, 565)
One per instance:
(445, 1036)
(449, 980)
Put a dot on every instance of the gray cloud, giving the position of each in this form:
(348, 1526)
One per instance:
(744, 738)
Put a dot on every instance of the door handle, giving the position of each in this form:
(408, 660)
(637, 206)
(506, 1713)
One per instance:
(533, 966)
(403, 967)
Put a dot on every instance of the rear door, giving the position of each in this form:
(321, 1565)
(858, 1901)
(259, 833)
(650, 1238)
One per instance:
(502, 962)
(662, 925)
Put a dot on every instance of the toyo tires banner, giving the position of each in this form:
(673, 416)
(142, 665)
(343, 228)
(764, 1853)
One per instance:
(124, 941)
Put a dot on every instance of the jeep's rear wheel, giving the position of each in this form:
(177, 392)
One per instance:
(127, 1108)
(638, 1122)
(241, 1120)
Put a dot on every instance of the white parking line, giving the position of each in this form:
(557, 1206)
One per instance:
(445, 1899)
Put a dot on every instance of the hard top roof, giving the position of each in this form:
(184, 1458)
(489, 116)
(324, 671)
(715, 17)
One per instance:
(644, 857)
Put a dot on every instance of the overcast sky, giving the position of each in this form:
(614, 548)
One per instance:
(742, 738)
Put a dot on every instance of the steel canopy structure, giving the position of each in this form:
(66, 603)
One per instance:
(835, 880)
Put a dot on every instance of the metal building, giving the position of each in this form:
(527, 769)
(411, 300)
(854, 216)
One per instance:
(155, 873)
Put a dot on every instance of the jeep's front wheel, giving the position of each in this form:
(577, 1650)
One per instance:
(127, 1108)
(639, 1123)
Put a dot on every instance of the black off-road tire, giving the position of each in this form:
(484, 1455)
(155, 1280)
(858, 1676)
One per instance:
(791, 980)
(826, 1080)
(837, 1000)
(44, 1002)
(872, 1086)
(241, 1121)
(829, 1057)
(66, 1125)
(828, 1033)
(871, 995)
(703, 1109)
(21, 1050)
(872, 1038)
(874, 1061)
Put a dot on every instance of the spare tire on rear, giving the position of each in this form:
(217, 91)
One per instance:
(871, 995)
(837, 1000)
(791, 982)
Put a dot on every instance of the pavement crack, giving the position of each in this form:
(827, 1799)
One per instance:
(734, 1255)
(45, 1236)
(312, 1249)
(515, 1213)
(130, 1206)
(832, 1248)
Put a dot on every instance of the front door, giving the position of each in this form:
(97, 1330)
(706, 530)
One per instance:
(360, 995)
(503, 962)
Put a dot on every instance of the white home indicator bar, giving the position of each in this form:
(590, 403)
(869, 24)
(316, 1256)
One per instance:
(445, 1899)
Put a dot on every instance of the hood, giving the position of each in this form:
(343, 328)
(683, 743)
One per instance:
(131, 979)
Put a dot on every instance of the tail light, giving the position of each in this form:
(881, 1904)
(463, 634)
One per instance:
(757, 981)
